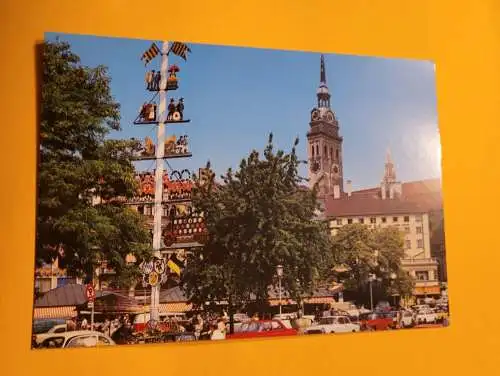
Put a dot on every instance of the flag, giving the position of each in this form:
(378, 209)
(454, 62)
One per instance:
(180, 49)
(150, 54)
(174, 267)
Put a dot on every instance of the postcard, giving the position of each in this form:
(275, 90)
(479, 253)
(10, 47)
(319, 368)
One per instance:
(191, 192)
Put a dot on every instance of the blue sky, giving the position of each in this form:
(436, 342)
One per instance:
(236, 96)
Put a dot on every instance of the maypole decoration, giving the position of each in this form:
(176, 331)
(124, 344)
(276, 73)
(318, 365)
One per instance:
(152, 189)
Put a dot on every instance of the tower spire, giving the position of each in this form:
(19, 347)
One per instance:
(390, 171)
(322, 77)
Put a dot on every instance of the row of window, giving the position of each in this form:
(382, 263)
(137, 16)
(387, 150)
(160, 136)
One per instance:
(315, 152)
(408, 243)
(373, 220)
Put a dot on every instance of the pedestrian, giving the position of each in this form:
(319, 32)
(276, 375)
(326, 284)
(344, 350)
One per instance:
(71, 325)
(84, 324)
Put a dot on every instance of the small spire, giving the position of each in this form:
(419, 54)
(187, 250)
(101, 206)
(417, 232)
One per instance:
(322, 70)
(388, 156)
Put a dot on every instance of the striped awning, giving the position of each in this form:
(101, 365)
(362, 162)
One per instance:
(175, 307)
(55, 312)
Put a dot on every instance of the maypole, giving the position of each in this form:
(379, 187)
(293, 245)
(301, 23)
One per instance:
(160, 149)
(155, 191)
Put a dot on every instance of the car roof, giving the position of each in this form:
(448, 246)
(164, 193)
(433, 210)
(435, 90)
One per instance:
(74, 333)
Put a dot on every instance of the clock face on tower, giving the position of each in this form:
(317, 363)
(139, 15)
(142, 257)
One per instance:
(315, 115)
(335, 169)
(329, 116)
(315, 166)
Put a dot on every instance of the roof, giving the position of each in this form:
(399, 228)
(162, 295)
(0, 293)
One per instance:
(111, 302)
(361, 206)
(419, 196)
(68, 295)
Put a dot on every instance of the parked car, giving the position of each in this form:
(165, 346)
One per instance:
(79, 338)
(375, 321)
(426, 316)
(44, 325)
(333, 324)
(407, 319)
(285, 316)
(262, 328)
(61, 328)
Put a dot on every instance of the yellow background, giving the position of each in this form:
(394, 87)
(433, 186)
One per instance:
(462, 37)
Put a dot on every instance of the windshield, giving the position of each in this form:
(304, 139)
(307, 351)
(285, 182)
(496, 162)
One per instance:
(327, 321)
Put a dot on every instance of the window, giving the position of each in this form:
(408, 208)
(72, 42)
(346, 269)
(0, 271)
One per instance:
(82, 341)
(361, 220)
(312, 150)
(419, 229)
(331, 153)
(373, 220)
(140, 209)
(103, 341)
(265, 327)
(418, 218)
(148, 210)
(337, 154)
(339, 221)
(420, 243)
(325, 151)
(317, 149)
(53, 343)
(394, 219)
(408, 244)
(422, 275)
(349, 221)
(384, 219)
(407, 218)
(407, 229)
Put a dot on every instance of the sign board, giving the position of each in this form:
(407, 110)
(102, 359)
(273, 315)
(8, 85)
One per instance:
(90, 292)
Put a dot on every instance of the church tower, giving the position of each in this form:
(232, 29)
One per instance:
(390, 188)
(325, 144)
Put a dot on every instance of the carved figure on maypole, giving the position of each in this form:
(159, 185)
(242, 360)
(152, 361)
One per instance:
(175, 110)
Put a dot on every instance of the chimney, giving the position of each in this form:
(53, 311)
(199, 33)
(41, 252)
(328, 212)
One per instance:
(348, 188)
(336, 191)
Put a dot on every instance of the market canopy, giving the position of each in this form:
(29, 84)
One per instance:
(112, 302)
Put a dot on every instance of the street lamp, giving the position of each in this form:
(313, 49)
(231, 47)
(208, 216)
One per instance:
(394, 294)
(371, 278)
(279, 273)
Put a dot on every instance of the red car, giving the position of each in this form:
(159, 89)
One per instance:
(262, 328)
(375, 321)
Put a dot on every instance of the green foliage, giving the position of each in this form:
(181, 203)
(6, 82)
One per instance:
(359, 251)
(77, 163)
(257, 218)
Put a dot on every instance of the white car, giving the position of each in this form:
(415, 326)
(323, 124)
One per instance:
(407, 319)
(61, 328)
(426, 316)
(76, 338)
(333, 324)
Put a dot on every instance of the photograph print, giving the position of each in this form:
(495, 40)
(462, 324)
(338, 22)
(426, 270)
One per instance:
(191, 192)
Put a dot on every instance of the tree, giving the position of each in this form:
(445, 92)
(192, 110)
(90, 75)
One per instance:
(257, 218)
(359, 252)
(77, 164)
